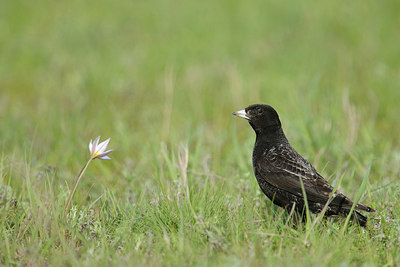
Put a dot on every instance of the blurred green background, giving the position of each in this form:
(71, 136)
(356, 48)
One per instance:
(159, 73)
(146, 72)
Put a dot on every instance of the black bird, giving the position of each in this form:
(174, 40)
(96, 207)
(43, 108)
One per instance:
(279, 168)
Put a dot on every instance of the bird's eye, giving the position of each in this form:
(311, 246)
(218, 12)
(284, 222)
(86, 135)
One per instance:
(259, 110)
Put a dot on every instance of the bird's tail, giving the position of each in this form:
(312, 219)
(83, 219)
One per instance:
(363, 207)
(359, 218)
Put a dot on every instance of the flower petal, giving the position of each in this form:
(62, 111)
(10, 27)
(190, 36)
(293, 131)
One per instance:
(94, 147)
(95, 143)
(90, 146)
(106, 153)
(102, 146)
(104, 157)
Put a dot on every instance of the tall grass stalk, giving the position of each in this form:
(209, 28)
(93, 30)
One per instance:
(357, 197)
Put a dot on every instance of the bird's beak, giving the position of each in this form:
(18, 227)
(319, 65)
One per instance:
(242, 114)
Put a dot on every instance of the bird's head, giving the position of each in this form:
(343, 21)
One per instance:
(260, 116)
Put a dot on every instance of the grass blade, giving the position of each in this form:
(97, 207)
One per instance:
(359, 193)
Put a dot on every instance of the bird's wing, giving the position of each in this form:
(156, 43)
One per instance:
(284, 167)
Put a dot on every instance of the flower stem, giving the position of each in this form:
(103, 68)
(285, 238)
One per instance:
(78, 178)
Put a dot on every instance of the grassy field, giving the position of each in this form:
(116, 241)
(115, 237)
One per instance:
(161, 78)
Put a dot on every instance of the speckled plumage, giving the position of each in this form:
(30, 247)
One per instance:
(278, 169)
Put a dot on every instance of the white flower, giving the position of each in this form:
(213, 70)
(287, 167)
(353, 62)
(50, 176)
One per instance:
(97, 151)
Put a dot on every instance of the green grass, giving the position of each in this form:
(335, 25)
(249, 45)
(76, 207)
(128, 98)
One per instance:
(158, 76)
